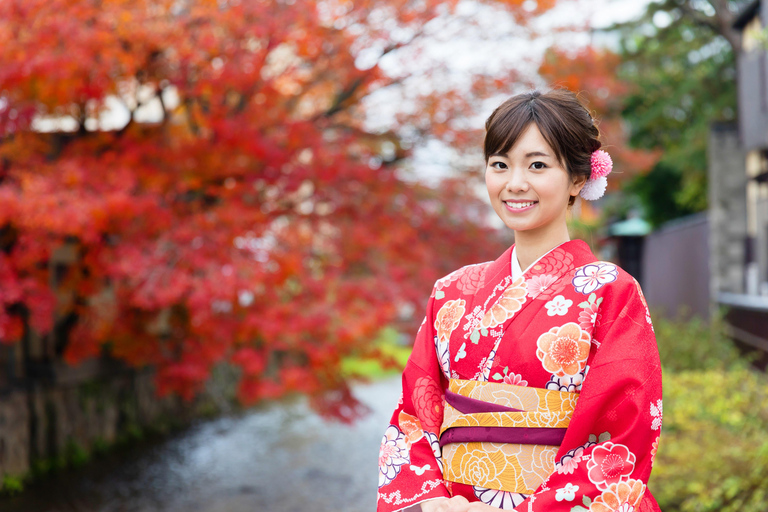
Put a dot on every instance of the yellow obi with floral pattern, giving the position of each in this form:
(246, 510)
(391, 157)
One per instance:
(499, 436)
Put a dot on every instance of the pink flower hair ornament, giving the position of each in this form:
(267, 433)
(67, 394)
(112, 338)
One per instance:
(595, 186)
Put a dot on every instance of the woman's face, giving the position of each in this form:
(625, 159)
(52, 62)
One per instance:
(528, 187)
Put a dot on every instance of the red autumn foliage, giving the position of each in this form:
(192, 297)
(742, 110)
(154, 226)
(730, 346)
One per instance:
(591, 72)
(254, 221)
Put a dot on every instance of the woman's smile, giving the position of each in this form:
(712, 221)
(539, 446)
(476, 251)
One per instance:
(519, 206)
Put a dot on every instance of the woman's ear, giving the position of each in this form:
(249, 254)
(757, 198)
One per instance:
(578, 183)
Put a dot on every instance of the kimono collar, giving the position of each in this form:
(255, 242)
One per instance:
(517, 271)
(570, 254)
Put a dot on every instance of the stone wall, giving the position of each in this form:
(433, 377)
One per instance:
(727, 210)
(77, 408)
(49, 408)
(14, 433)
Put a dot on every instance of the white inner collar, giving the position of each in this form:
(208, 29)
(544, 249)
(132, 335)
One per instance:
(516, 270)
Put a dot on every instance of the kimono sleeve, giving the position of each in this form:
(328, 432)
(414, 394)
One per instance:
(410, 464)
(606, 457)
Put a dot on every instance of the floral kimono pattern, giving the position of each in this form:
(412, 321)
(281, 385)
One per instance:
(571, 327)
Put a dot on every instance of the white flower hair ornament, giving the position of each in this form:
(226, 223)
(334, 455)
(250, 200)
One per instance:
(595, 186)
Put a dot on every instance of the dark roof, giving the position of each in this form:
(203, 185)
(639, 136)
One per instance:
(746, 15)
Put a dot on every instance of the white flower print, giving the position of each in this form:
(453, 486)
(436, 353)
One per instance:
(570, 461)
(593, 276)
(503, 500)
(567, 493)
(570, 383)
(472, 319)
(444, 356)
(656, 412)
(393, 454)
(558, 306)
(436, 450)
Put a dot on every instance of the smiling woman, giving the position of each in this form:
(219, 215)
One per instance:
(554, 407)
(538, 150)
(529, 187)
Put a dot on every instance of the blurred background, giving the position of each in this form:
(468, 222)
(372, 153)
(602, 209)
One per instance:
(220, 221)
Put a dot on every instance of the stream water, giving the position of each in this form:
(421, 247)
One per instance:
(279, 458)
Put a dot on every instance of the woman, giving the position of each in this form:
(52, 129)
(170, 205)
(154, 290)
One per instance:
(535, 389)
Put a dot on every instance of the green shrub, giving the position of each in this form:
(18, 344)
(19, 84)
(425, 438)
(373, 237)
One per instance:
(389, 359)
(695, 344)
(11, 485)
(713, 454)
(74, 454)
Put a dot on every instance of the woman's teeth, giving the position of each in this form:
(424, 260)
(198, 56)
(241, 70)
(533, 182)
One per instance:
(519, 205)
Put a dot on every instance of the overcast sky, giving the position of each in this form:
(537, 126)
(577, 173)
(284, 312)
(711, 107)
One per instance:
(491, 42)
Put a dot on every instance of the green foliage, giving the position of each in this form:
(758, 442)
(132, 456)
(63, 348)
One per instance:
(713, 453)
(75, 455)
(12, 485)
(100, 446)
(376, 367)
(589, 231)
(695, 344)
(657, 191)
(684, 76)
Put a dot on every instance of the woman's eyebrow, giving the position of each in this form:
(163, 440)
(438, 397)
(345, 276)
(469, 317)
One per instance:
(527, 155)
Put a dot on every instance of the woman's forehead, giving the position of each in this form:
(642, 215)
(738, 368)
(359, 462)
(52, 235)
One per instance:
(530, 143)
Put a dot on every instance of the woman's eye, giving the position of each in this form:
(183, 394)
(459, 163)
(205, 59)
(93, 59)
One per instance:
(539, 165)
(499, 165)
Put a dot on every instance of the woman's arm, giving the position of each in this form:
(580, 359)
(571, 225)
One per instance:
(410, 464)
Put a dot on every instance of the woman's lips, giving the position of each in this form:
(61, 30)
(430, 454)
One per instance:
(518, 209)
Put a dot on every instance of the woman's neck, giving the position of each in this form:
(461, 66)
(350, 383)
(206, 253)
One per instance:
(531, 245)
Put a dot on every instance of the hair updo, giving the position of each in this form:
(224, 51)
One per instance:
(564, 122)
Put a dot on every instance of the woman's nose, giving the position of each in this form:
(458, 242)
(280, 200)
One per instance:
(517, 181)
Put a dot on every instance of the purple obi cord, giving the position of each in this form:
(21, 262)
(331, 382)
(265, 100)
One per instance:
(516, 435)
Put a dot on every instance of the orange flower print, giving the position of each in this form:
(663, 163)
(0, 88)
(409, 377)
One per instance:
(564, 350)
(411, 427)
(654, 448)
(620, 497)
(448, 318)
(510, 302)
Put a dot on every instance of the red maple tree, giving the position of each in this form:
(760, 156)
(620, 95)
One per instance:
(253, 220)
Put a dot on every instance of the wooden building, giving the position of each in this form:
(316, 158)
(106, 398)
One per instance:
(739, 190)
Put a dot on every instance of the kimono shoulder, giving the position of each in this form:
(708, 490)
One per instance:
(615, 292)
(466, 280)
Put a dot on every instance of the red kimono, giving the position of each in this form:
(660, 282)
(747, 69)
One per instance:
(541, 393)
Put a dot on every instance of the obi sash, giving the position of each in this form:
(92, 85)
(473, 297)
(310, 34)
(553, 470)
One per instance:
(500, 436)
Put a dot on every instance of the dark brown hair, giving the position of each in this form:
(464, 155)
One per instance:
(564, 122)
